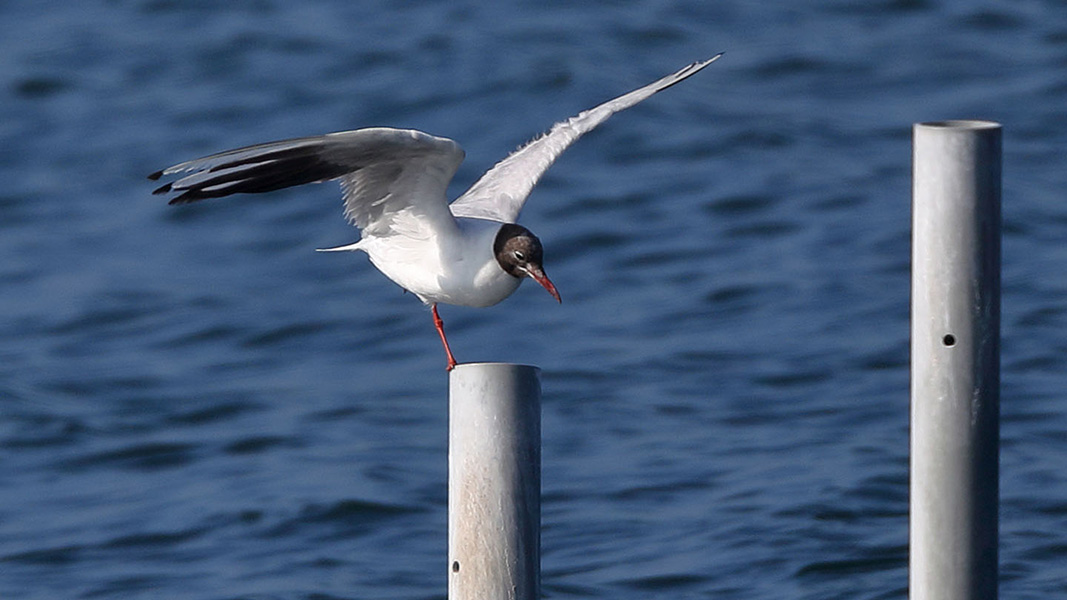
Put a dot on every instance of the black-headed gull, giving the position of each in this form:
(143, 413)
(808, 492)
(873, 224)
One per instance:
(469, 252)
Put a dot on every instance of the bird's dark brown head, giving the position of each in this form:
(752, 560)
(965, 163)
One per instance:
(519, 253)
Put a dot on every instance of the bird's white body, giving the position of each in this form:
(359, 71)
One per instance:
(459, 269)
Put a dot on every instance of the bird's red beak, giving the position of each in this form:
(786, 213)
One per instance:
(539, 276)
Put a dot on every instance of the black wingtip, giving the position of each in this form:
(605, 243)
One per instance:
(190, 196)
(163, 189)
(155, 176)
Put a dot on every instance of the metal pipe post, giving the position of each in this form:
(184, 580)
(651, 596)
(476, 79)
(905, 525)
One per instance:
(494, 482)
(955, 360)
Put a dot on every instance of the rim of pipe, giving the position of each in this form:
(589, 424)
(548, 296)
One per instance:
(494, 364)
(961, 124)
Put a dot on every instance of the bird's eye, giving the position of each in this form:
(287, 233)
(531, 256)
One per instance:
(519, 255)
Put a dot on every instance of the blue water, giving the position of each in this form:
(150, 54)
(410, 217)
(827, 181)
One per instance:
(193, 404)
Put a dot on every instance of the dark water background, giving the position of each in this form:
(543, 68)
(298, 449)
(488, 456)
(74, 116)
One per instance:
(193, 404)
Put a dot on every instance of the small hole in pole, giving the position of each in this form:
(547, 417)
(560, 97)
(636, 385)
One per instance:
(949, 340)
(455, 566)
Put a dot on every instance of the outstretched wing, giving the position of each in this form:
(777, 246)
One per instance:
(502, 191)
(387, 175)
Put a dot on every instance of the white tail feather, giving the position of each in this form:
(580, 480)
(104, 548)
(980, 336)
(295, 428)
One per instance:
(349, 247)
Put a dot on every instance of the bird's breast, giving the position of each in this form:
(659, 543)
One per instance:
(461, 270)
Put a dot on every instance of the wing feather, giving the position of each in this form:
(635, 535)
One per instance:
(383, 173)
(502, 191)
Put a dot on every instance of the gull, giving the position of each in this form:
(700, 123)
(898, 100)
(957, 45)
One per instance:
(394, 182)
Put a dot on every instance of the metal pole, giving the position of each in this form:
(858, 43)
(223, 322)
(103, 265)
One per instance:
(494, 482)
(955, 360)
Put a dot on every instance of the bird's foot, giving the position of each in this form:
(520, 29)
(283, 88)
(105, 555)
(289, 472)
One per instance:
(439, 324)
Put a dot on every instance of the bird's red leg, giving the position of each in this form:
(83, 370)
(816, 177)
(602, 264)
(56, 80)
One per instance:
(440, 325)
